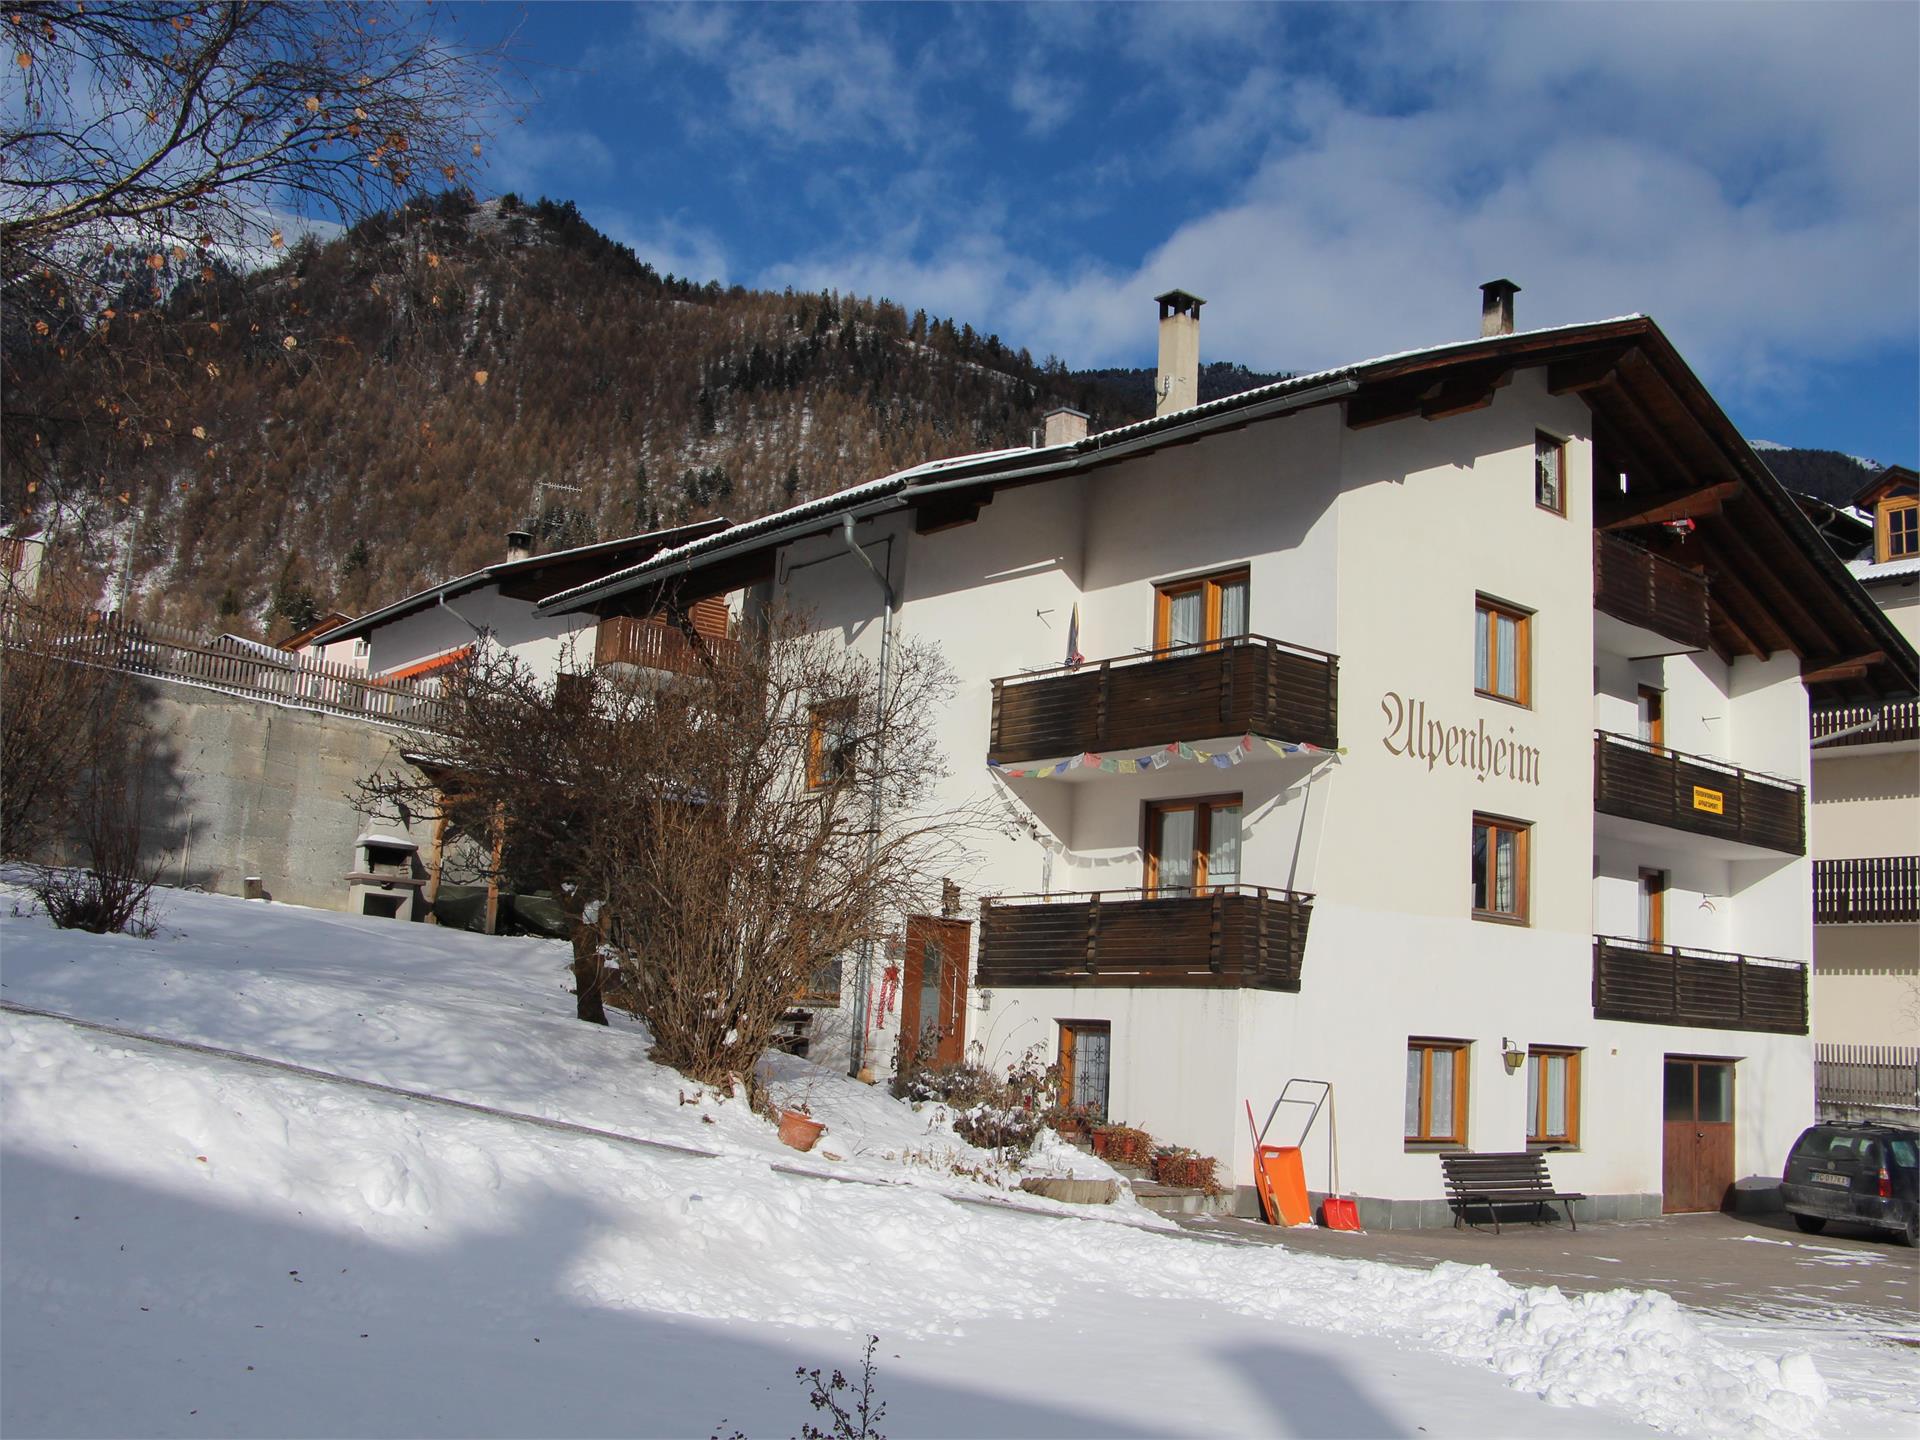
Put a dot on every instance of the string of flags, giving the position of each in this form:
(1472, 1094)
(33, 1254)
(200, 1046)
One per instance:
(1158, 759)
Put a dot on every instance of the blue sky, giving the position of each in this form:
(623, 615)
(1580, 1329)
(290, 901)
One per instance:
(1335, 180)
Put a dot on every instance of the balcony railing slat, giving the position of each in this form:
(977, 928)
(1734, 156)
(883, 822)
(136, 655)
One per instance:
(1639, 781)
(1233, 937)
(1644, 590)
(1664, 986)
(1248, 684)
(1881, 890)
(1841, 725)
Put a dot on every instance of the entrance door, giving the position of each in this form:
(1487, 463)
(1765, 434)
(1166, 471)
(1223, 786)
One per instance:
(1698, 1170)
(933, 992)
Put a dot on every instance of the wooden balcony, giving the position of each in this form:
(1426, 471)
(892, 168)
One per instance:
(1670, 985)
(1639, 781)
(1647, 593)
(1888, 724)
(653, 645)
(1234, 937)
(1881, 890)
(1187, 692)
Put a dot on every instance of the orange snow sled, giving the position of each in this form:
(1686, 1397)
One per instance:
(1279, 1173)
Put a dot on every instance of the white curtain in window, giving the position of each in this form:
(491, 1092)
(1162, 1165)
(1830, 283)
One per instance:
(1233, 609)
(1482, 636)
(1556, 1096)
(1546, 463)
(1505, 844)
(1533, 1096)
(1176, 849)
(1223, 846)
(1509, 655)
(1186, 618)
(1440, 1112)
(1415, 1064)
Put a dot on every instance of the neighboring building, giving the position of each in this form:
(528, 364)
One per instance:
(1866, 798)
(1502, 832)
(438, 626)
(22, 552)
(349, 653)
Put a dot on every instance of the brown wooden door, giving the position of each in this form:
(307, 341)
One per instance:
(933, 991)
(1697, 1164)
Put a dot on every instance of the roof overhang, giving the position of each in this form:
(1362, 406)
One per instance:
(1774, 582)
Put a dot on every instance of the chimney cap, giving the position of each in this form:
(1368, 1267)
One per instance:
(519, 544)
(1179, 302)
(1499, 289)
(1065, 410)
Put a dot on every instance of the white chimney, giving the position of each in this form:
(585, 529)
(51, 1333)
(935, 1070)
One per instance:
(1065, 425)
(1177, 385)
(519, 545)
(1496, 307)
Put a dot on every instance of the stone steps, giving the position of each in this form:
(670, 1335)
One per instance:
(1163, 1199)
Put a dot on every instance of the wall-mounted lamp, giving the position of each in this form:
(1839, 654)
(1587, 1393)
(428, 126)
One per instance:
(1512, 1054)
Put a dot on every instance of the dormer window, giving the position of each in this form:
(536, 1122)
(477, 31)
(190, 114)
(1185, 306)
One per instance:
(1894, 497)
(1896, 528)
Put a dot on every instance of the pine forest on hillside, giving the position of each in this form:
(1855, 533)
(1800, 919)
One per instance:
(370, 415)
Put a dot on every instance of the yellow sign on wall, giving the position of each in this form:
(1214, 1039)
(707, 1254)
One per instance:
(1711, 801)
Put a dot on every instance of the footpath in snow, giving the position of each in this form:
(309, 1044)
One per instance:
(195, 1244)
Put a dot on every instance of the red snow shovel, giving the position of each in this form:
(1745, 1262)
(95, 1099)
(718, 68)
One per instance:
(1336, 1213)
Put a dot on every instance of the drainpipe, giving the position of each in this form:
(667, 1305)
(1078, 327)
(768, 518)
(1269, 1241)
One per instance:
(863, 967)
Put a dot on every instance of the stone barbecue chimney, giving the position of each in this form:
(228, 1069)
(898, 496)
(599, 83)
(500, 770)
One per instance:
(1496, 307)
(1177, 385)
(1065, 425)
(519, 545)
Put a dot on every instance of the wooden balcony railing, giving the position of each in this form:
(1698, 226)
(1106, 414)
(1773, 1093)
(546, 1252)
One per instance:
(1640, 781)
(1671, 985)
(1186, 692)
(1889, 723)
(1882, 890)
(1232, 937)
(1642, 589)
(653, 645)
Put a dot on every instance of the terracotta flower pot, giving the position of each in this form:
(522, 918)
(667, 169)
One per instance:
(798, 1130)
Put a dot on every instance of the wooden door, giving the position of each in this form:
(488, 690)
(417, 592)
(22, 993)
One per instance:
(933, 992)
(1697, 1162)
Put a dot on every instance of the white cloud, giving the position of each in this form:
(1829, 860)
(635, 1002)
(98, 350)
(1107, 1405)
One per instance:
(671, 246)
(1043, 98)
(533, 161)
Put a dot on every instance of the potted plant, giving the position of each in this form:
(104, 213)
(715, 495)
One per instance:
(1122, 1144)
(798, 1128)
(1183, 1169)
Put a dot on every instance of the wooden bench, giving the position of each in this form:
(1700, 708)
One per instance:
(1494, 1178)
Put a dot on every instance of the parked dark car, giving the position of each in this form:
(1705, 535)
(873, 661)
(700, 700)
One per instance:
(1865, 1173)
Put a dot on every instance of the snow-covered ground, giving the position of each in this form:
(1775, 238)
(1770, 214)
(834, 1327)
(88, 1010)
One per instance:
(193, 1243)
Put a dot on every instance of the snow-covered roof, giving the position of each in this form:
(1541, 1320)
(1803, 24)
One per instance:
(1867, 571)
(987, 463)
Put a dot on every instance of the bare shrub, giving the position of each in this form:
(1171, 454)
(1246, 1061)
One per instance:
(112, 891)
(688, 826)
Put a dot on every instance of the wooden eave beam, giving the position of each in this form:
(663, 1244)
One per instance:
(1854, 669)
(1464, 393)
(1818, 640)
(1643, 431)
(1579, 374)
(947, 513)
(1387, 404)
(1728, 593)
(1643, 388)
(1698, 504)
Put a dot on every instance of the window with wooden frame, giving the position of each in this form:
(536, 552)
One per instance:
(1502, 651)
(1653, 908)
(1193, 845)
(1549, 472)
(1199, 611)
(1652, 706)
(830, 744)
(1500, 863)
(1436, 1092)
(1896, 528)
(1086, 1054)
(1553, 1095)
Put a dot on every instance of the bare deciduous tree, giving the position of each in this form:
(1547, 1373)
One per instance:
(718, 837)
(195, 124)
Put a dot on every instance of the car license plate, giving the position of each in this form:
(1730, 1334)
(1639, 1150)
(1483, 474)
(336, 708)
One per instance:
(1831, 1179)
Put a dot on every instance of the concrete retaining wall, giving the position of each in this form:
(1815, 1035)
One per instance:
(241, 787)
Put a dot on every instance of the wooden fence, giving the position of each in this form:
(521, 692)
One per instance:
(238, 667)
(1880, 1075)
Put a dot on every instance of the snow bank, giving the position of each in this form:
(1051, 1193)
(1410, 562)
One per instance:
(173, 1217)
